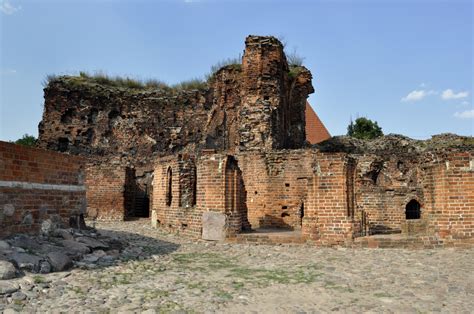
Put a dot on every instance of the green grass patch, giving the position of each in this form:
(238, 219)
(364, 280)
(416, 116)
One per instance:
(39, 279)
(382, 295)
(223, 295)
(334, 286)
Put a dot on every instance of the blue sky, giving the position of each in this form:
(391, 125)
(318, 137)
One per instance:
(406, 64)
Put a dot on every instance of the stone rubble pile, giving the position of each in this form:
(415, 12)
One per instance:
(56, 249)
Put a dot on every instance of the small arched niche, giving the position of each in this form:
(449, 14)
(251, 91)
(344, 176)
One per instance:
(413, 210)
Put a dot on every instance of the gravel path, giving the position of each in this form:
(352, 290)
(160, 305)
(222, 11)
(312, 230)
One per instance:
(165, 273)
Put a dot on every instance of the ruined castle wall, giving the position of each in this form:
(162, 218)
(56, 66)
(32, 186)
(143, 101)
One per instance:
(185, 188)
(276, 185)
(222, 126)
(109, 191)
(175, 195)
(255, 190)
(36, 185)
(257, 105)
(383, 188)
(273, 102)
(328, 219)
(450, 198)
(89, 119)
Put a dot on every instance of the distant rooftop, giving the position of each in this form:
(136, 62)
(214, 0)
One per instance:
(316, 132)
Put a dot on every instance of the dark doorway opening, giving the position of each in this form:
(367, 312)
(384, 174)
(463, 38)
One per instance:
(302, 213)
(169, 187)
(142, 202)
(413, 210)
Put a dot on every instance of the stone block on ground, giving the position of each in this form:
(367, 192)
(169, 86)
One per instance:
(8, 287)
(213, 226)
(93, 243)
(63, 233)
(7, 270)
(26, 261)
(75, 248)
(59, 261)
(4, 245)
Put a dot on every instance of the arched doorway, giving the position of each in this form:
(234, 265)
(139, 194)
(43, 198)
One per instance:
(413, 210)
(235, 196)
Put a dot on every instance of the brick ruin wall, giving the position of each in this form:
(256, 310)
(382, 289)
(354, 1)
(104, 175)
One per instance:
(259, 105)
(37, 185)
(237, 149)
(331, 197)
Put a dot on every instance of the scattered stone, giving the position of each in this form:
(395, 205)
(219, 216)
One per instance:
(90, 258)
(47, 227)
(7, 270)
(18, 296)
(59, 261)
(75, 248)
(63, 233)
(8, 287)
(45, 267)
(26, 261)
(25, 242)
(4, 245)
(93, 243)
(27, 219)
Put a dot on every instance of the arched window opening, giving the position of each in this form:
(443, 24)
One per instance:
(169, 186)
(413, 210)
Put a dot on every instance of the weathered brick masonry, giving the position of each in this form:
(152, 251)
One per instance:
(36, 185)
(259, 104)
(232, 157)
(332, 197)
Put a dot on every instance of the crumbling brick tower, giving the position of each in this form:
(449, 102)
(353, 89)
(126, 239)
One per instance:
(274, 98)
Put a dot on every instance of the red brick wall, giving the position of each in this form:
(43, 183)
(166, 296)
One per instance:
(450, 198)
(109, 191)
(181, 215)
(331, 197)
(327, 219)
(35, 185)
(276, 185)
(382, 190)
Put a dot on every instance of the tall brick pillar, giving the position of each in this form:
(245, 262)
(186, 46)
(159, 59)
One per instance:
(265, 72)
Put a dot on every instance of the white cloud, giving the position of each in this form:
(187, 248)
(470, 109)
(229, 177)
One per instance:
(465, 103)
(9, 71)
(417, 95)
(7, 8)
(450, 94)
(468, 114)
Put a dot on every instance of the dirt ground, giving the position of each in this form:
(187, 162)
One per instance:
(158, 272)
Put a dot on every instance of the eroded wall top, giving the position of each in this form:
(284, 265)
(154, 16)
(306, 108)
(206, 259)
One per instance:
(258, 105)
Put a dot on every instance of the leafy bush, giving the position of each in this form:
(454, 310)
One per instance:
(364, 128)
(27, 140)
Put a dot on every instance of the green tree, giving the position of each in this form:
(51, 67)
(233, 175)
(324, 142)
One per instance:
(364, 128)
(26, 140)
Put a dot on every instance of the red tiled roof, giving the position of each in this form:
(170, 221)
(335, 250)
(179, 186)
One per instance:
(315, 130)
